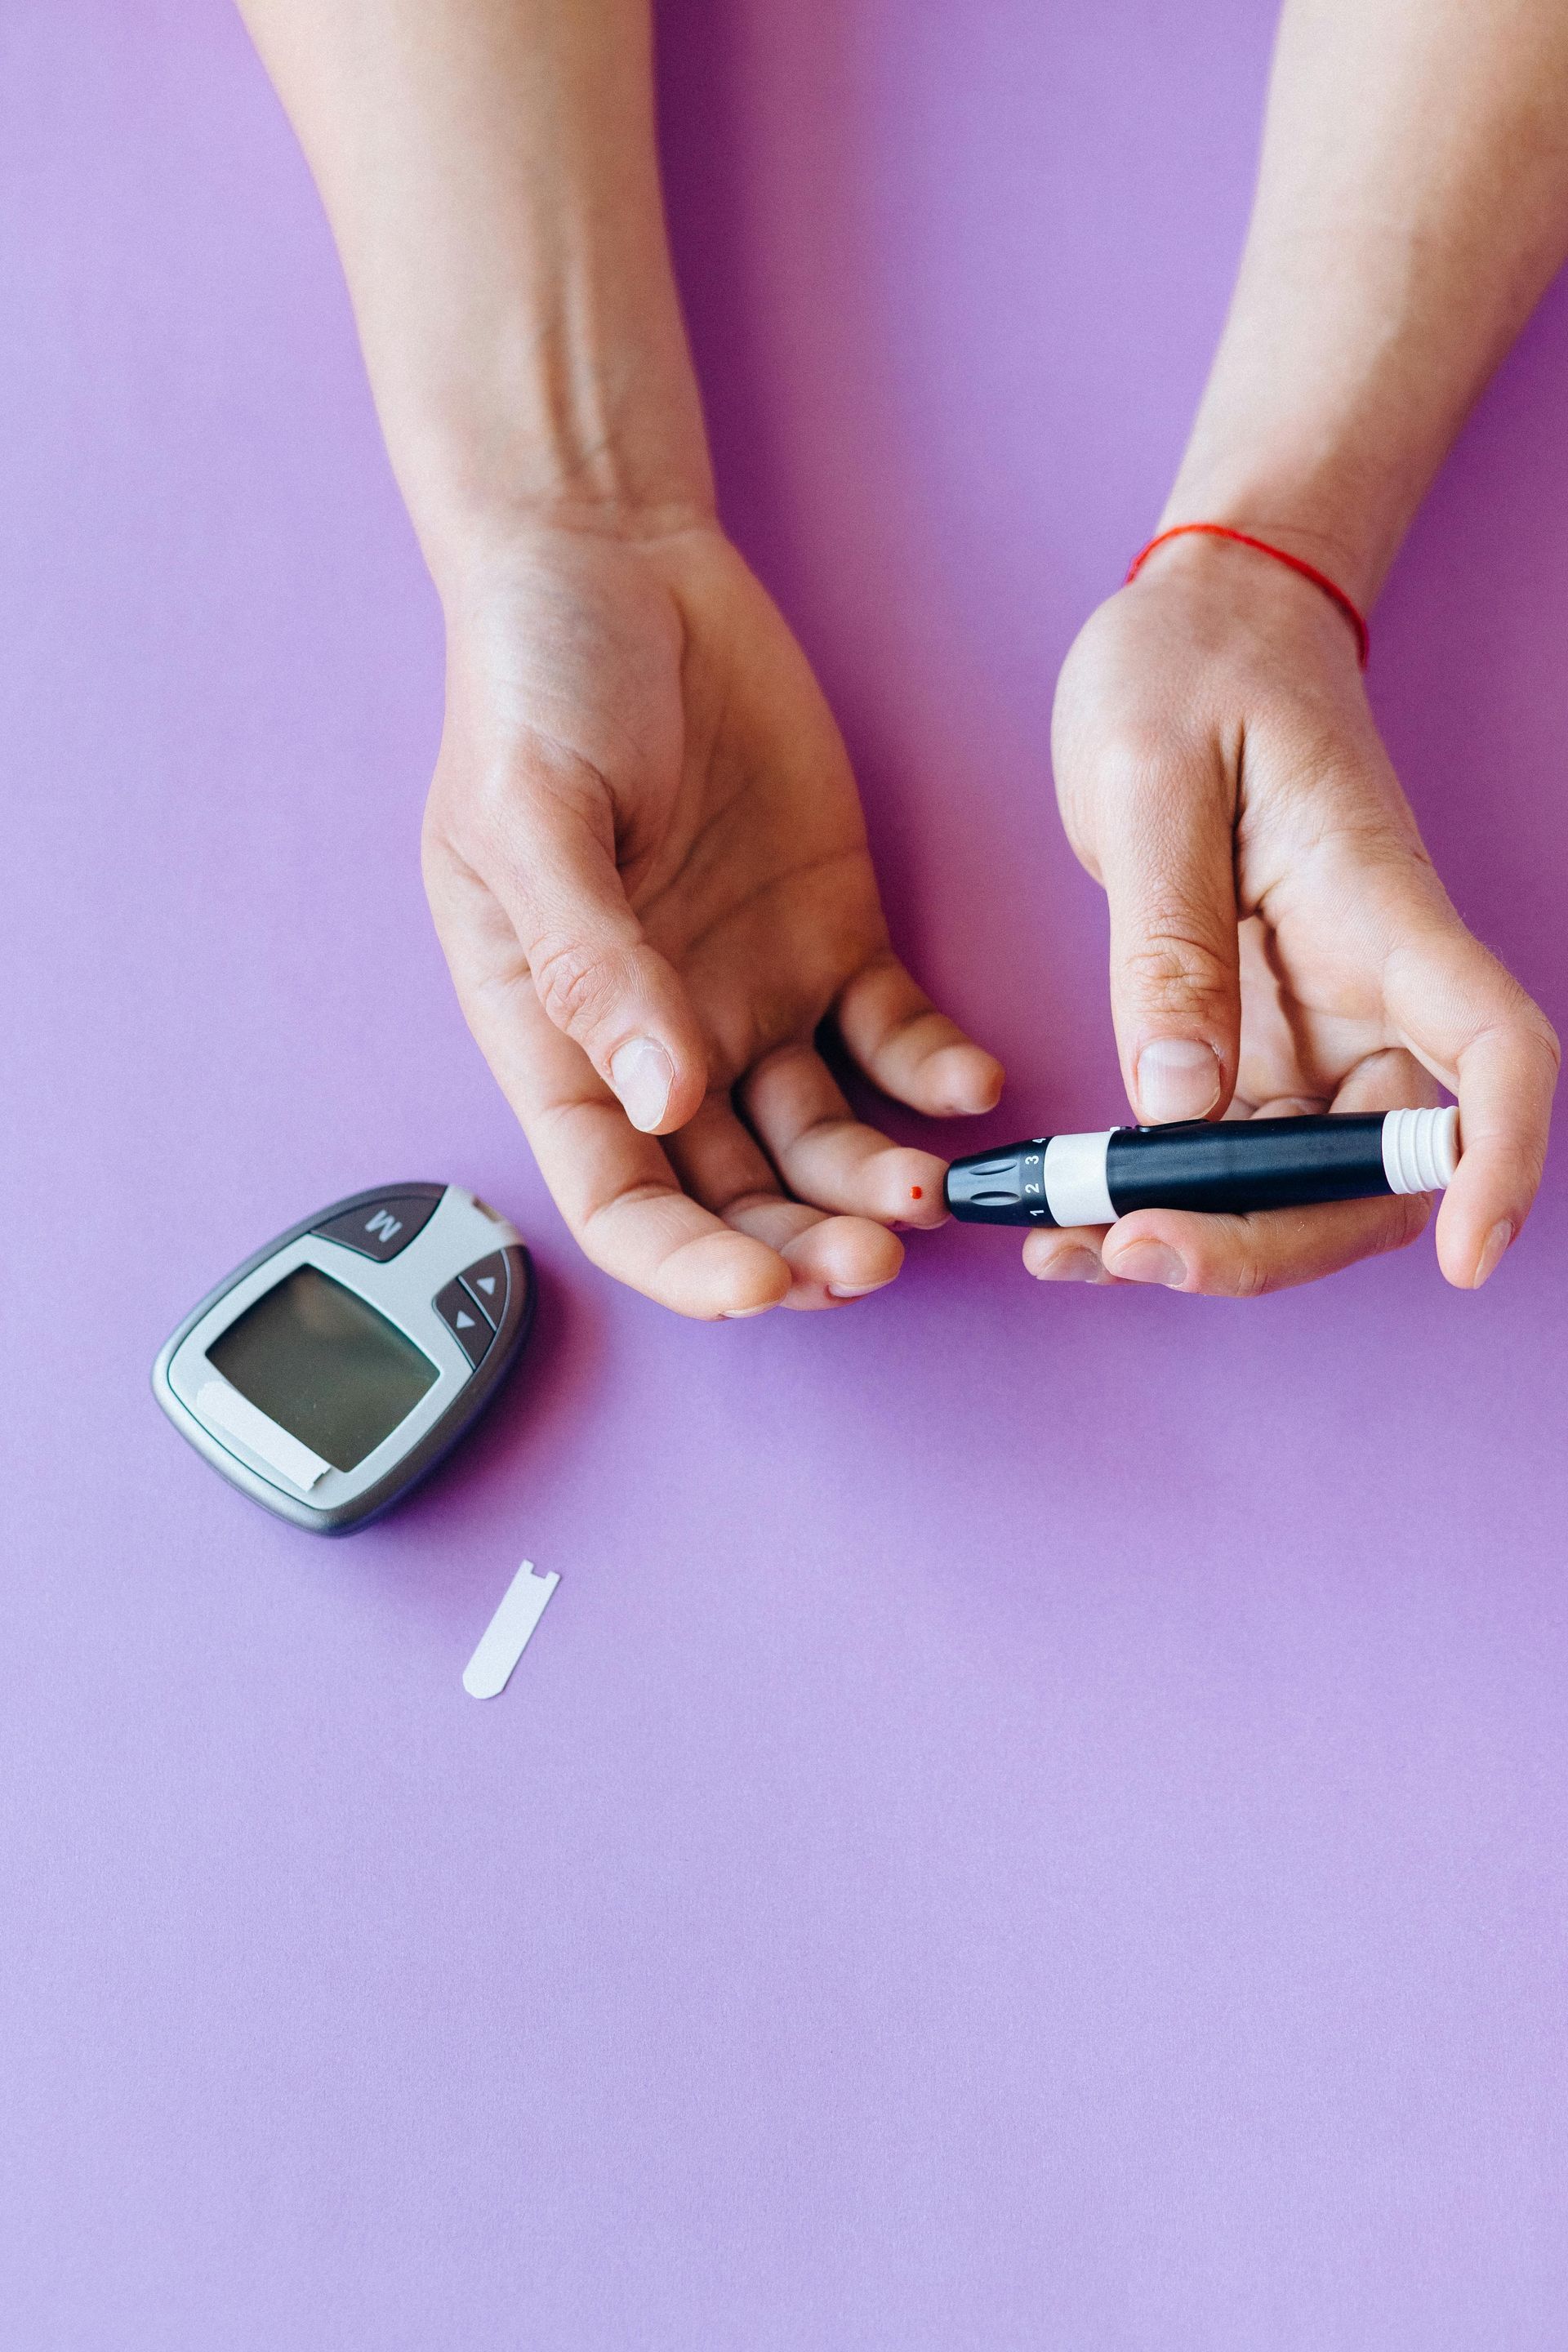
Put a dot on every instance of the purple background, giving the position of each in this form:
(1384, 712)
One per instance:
(1034, 1817)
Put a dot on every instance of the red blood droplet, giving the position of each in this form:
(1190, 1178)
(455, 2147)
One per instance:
(917, 1191)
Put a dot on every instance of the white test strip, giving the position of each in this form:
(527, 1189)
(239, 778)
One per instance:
(221, 1406)
(506, 1636)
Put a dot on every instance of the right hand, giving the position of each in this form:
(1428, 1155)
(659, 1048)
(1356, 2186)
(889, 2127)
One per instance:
(1280, 941)
(647, 865)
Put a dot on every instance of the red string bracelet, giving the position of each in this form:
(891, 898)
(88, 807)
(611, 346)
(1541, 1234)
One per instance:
(1330, 588)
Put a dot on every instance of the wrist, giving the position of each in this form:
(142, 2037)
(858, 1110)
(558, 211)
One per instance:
(468, 526)
(491, 553)
(1270, 549)
(582, 432)
(1326, 516)
(501, 227)
(1242, 598)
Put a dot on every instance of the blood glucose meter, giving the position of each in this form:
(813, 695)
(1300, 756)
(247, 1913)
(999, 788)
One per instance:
(337, 1366)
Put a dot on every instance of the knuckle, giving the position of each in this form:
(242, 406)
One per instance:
(1098, 777)
(1239, 1272)
(1249, 1276)
(1544, 1036)
(1173, 971)
(477, 797)
(576, 984)
(434, 850)
(515, 802)
(1130, 763)
(492, 811)
(1514, 1017)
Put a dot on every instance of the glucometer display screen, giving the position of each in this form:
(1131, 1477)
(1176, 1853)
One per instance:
(327, 1367)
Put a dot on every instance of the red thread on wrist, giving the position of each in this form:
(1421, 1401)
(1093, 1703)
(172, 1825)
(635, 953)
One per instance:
(1330, 588)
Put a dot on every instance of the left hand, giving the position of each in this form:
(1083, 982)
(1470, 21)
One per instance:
(1280, 941)
(647, 865)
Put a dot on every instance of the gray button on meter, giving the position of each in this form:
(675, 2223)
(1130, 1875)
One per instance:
(381, 1227)
(460, 1311)
(487, 1284)
(337, 1366)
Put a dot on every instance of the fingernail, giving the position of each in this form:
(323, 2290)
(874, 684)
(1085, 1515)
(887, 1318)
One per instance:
(1492, 1248)
(745, 1313)
(1177, 1079)
(1071, 1266)
(642, 1075)
(1149, 1261)
(856, 1289)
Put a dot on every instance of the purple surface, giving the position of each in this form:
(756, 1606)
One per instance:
(1035, 1818)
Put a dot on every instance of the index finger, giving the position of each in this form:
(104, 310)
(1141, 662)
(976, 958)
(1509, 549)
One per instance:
(612, 1183)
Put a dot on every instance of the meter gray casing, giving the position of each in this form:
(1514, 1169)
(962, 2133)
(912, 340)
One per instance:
(459, 1232)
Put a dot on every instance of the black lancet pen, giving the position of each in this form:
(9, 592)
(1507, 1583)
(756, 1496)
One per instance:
(1236, 1164)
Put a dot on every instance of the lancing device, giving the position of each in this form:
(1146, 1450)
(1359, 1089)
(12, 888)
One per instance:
(1225, 1164)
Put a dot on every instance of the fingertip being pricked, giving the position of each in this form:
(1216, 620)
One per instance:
(906, 1187)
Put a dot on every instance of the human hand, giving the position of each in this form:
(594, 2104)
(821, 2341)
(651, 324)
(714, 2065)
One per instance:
(1280, 941)
(645, 859)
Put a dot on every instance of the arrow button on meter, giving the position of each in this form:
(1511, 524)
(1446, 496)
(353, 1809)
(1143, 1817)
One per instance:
(462, 1317)
(486, 1283)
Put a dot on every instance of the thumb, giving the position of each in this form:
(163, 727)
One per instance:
(595, 972)
(1167, 861)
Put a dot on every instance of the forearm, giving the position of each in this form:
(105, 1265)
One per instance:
(490, 170)
(1411, 206)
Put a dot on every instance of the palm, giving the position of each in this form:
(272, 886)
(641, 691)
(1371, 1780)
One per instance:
(754, 877)
(638, 712)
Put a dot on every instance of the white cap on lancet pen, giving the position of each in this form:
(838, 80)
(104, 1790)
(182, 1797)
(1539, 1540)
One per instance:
(1421, 1149)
